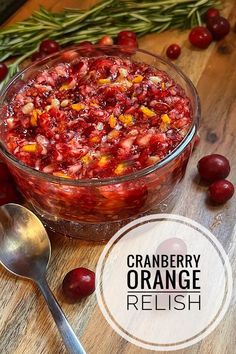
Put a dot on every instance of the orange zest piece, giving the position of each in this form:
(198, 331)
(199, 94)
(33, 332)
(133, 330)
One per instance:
(30, 148)
(68, 86)
(103, 161)
(126, 119)
(112, 121)
(104, 81)
(137, 79)
(34, 118)
(113, 134)
(94, 139)
(148, 112)
(60, 174)
(165, 118)
(86, 159)
(77, 106)
(120, 168)
(163, 86)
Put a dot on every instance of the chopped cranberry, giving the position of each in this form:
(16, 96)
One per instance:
(96, 118)
(3, 71)
(200, 37)
(8, 193)
(105, 40)
(78, 283)
(213, 167)
(173, 51)
(211, 13)
(221, 191)
(49, 46)
(219, 27)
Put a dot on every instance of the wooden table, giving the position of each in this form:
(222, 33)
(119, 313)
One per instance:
(26, 325)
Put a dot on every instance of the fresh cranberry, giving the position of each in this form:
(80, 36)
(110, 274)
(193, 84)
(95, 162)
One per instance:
(200, 37)
(49, 46)
(3, 71)
(127, 34)
(78, 283)
(8, 193)
(128, 42)
(219, 27)
(213, 167)
(38, 56)
(221, 191)
(173, 51)
(5, 175)
(105, 40)
(211, 13)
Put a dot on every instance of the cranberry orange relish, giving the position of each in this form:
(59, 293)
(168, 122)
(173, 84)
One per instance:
(97, 118)
(88, 134)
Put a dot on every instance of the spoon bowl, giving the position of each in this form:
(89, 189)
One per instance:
(25, 251)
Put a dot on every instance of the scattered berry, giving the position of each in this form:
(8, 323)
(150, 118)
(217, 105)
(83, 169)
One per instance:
(127, 34)
(221, 191)
(78, 283)
(8, 193)
(219, 27)
(213, 167)
(200, 37)
(211, 13)
(128, 42)
(49, 46)
(173, 51)
(3, 71)
(105, 40)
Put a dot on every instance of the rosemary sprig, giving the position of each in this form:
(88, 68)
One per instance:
(107, 17)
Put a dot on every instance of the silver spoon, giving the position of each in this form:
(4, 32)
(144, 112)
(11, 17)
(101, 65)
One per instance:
(25, 250)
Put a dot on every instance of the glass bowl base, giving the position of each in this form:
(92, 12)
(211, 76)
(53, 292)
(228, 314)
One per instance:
(101, 232)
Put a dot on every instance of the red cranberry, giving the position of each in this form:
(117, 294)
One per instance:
(173, 51)
(213, 167)
(5, 175)
(8, 193)
(38, 56)
(105, 40)
(128, 42)
(200, 37)
(211, 13)
(78, 283)
(127, 34)
(3, 71)
(221, 191)
(49, 46)
(219, 27)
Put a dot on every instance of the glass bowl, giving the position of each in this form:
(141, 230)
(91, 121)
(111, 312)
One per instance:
(95, 209)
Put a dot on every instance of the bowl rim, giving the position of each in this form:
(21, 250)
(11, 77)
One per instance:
(110, 180)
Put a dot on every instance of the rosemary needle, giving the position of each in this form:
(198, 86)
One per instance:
(109, 16)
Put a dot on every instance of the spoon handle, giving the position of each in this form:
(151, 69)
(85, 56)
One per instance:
(71, 342)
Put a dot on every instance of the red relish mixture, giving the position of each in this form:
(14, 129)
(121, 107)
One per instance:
(101, 117)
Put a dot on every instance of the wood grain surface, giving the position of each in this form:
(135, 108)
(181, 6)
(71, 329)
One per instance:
(26, 326)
